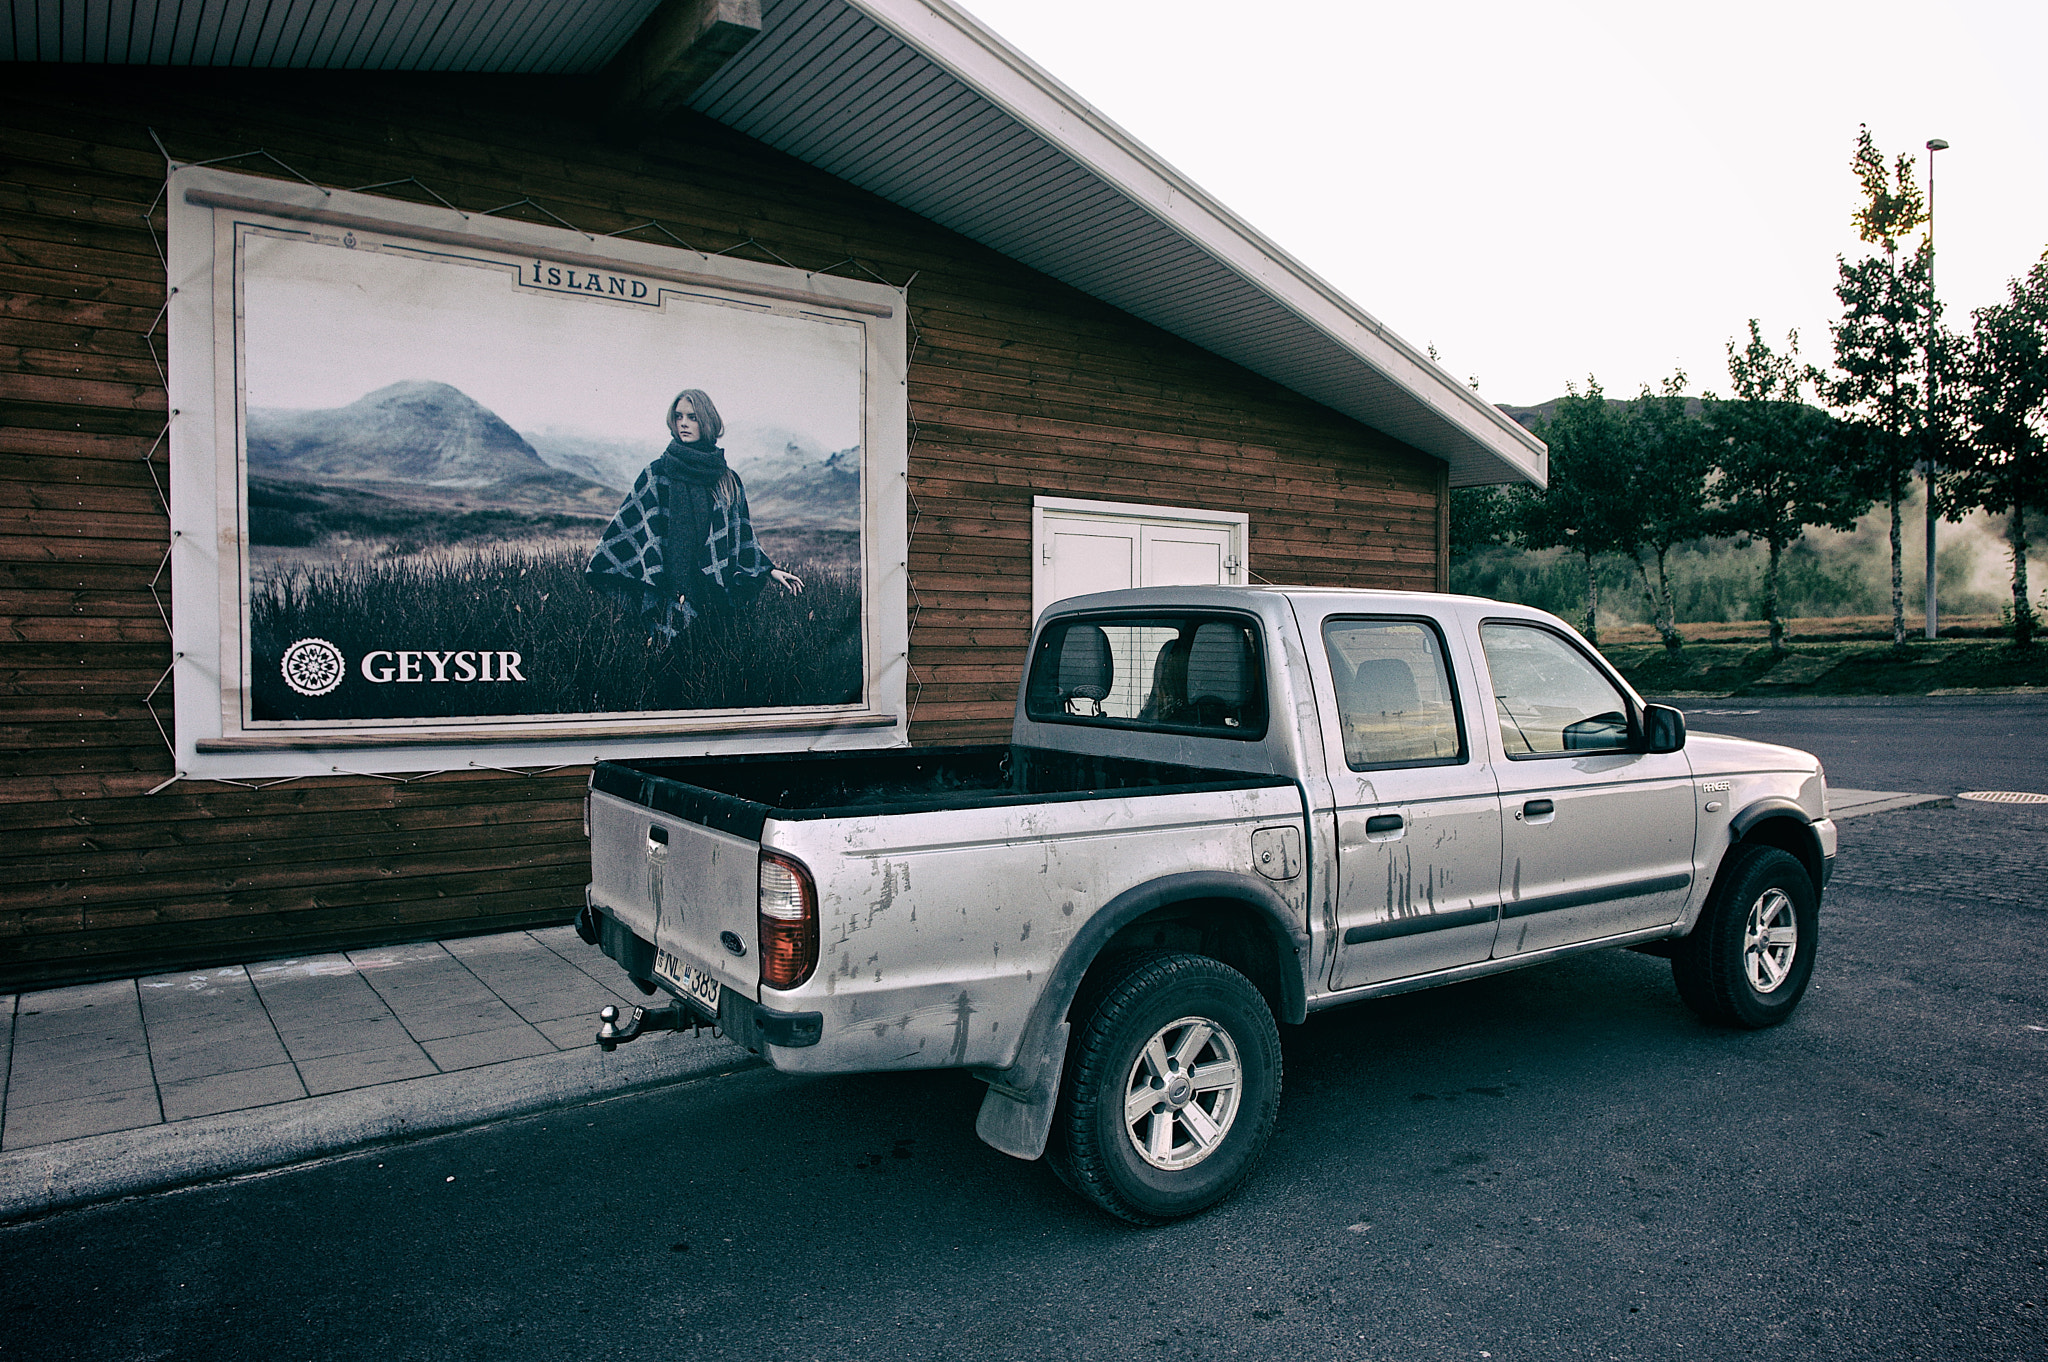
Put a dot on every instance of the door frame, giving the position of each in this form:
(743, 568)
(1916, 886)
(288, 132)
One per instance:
(1130, 513)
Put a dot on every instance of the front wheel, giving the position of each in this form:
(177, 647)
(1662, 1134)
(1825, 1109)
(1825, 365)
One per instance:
(1171, 1090)
(1748, 960)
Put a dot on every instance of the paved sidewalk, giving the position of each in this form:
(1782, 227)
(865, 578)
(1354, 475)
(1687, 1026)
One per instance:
(1856, 803)
(141, 1084)
(137, 1084)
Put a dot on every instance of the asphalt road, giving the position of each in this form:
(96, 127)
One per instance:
(1930, 745)
(1556, 1163)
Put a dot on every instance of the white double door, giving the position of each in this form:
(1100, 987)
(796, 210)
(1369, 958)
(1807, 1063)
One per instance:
(1085, 546)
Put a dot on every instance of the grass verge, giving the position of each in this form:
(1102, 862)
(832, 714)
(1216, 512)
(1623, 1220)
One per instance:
(1828, 657)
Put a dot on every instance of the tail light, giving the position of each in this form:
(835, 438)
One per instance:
(789, 922)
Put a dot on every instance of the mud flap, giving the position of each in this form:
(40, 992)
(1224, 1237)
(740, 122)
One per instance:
(1016, 1115)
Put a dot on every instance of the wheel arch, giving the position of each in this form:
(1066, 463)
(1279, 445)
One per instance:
(1238, 919)
(1781, 823)
(1240, 922)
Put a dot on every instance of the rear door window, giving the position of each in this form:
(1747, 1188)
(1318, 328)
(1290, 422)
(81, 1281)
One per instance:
(1173, 673)
(1395, 704)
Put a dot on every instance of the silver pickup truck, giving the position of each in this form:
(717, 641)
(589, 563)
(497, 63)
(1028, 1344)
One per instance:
(1219, 808)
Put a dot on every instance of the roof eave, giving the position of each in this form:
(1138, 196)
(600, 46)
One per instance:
(1036, 99)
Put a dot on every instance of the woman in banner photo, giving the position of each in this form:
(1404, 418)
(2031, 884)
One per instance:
(682, 544)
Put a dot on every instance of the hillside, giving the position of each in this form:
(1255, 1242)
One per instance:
(427, 433)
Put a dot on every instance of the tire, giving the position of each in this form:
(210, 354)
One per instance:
(1727, 969)
(1162, 1018)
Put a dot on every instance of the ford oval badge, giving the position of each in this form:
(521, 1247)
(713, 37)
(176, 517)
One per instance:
(731, 941)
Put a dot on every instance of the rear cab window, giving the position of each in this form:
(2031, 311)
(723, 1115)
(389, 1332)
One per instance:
(1395, 702)
(1194, 672)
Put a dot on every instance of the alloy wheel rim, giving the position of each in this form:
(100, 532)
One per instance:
(1770, 941)
(1182, 1094)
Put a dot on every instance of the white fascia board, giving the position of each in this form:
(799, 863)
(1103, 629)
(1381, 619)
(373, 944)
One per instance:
(1031, 95)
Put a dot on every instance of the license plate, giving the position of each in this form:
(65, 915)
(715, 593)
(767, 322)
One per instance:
(695, 981)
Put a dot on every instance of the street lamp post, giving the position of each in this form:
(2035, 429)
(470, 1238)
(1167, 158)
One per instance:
(1934, 144)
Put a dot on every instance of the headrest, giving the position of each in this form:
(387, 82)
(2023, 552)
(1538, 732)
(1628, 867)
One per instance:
(1086, 666)
(1219, 664)
(1384, 685)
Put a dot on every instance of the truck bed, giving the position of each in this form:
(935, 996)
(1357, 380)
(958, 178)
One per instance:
(739, 794)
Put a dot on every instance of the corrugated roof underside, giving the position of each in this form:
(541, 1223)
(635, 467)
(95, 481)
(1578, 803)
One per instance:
(834, 89)
(532, 37)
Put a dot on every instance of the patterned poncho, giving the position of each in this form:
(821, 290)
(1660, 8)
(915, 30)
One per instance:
(682, 544)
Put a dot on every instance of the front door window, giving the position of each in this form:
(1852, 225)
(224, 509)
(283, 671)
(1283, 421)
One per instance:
(1548, 697)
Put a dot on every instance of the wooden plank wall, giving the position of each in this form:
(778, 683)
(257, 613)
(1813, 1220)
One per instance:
(1018, 386)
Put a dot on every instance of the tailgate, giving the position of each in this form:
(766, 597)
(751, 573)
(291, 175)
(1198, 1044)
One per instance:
(691, 890)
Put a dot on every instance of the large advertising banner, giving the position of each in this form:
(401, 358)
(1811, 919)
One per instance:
(477, 482)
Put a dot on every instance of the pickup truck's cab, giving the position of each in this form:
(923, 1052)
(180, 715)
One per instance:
(1378, 791)
(1482, 789)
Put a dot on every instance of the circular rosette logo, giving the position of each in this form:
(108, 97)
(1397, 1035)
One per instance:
(313, 666)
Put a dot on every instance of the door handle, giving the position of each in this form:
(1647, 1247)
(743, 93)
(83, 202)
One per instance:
(1383, 822)
(1538, 808)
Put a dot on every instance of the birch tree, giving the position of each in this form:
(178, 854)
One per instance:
(1779, 463)
(2005, 414)
(1579, 509)
(1664, 501)
(1881, 344)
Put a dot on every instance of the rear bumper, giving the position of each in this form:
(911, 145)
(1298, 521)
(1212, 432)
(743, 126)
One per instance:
(739, 1017)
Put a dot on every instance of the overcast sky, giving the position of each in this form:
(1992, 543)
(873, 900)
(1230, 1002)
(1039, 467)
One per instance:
(1544, 191)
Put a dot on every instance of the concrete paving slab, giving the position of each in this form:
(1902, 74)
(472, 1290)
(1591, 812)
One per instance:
(78, 1172)
(433, 995)
(80, 1010)
(506, 945)
(53, 1071)
(357, 1005)
(1859, 803)
(302, 969)
(325, 1011)
(81, 1117)
(392, 957)
(191, 1001)
(204, 1025)
(534, 980)
(364, 1068)
(567, 1033)
(229, 1050)
(340, 1001)
(425, 1020)
(587, 960)
(565, 1002)
(83, 1047)
(210, 1093)
(315, 1041)
(487, 1047)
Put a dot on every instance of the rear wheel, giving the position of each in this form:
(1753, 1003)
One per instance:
(1171, 1090)
(1748, 960)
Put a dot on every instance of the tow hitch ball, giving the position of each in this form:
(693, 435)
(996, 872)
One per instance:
(611, 1034)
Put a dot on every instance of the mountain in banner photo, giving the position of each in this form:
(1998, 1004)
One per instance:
(423, 441)
(791, 482)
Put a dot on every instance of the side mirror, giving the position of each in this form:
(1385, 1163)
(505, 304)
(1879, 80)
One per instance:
(1663, 729)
